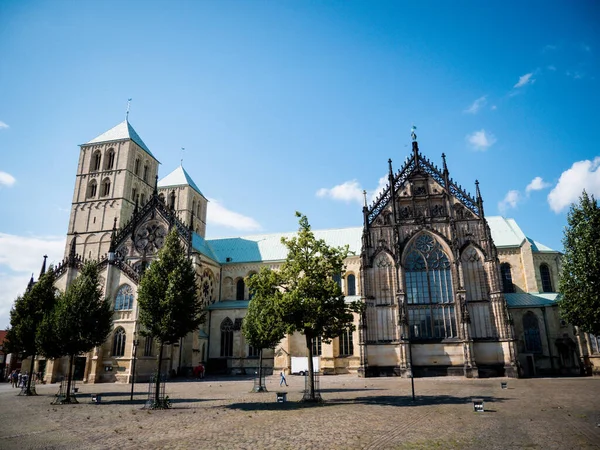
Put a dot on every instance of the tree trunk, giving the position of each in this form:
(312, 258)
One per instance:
(311, 370)
(260, 369)
(28, 391)
(68, 397)
(158, 375)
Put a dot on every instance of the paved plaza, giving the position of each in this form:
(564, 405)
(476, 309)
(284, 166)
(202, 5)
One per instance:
(372, 413)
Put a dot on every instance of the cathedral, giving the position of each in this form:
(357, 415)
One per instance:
(448, 290)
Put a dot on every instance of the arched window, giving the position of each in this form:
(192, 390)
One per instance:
(346, 344)
(317, 344)
(142, 199)
(119, 342)
(227, 337)
(109, 160)
(92, 188)
(145, 173)
(124, 298)
(531, 332)
(136, 166)
(134, 194)
(96, 157)
(199, 210)
(338, 280)
(240, 287)
(350, 285)
(106, 187)
(507, 284)
(477, 294)
(429, 293)
(149, 346)
(194, 207)
(546, 278)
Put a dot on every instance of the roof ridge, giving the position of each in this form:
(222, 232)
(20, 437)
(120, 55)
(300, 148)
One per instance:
(280, 232)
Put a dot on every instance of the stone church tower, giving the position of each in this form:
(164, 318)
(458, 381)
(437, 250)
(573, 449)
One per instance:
(431, 279)
(116, 170)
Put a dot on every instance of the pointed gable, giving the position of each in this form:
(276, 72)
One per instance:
(179, 177)
(121, 132)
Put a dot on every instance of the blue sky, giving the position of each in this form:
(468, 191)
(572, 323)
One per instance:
(289, 105)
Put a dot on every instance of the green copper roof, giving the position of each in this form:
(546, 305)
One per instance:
(506, 233)
(530, 300)
(200, 244)
(268, 247)
(229, 304)
(179, 177)
(121, 132)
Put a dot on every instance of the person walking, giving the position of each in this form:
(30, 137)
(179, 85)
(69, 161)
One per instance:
(282, 380)
(13, 378)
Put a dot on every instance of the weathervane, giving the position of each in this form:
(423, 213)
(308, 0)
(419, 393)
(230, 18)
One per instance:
(127, 114)
(413, 135)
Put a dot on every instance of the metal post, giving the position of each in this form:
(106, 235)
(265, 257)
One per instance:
(135, 346)
(412, 369)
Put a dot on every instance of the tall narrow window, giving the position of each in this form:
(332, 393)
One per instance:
(149, 346)
(317, 346)
(507, 284)
(96, 157)
(92, 188)
(477, 294)
(531, 331)
(136, 166)
(338, 279)
(134, 194)
(227, 337)
(124, 298)
(346, 344)
(110, 159)
(142, 200)
(546, 278)
(194, 207)
(253, 352)
(239, 289)
(429, 292)
(351, 285)
(119, 342)
(106, 187)
(594, 343)
(146, 173)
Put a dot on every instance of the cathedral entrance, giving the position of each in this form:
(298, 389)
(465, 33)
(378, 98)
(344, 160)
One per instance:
(79, 368)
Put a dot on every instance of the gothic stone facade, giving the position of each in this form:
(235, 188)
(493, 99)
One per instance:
(435, 278)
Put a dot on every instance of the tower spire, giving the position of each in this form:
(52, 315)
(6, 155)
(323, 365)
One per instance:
(43, 271)
(479, 199)
(127, 113)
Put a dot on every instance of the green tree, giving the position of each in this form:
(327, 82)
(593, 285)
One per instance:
(170, 306)
(580, 279)
(262, 326)
(80, 321)
(26, 317)
(308, 299)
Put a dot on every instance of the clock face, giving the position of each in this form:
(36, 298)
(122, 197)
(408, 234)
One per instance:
(150, 237)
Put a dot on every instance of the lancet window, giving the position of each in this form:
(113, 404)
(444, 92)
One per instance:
(546, 278)
(351, 285)
(317, 345)
(119, 342)
(92, 188)
(531, 332)
(106, 187)
(477, 294)
(227, 337)
(96, 157)
(240, 288)
(507, 284)
(110, 159)
(429, 291)
(346, 344)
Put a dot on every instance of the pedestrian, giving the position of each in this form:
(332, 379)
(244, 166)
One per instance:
(19, 378)
(13, 378)
(282, 379)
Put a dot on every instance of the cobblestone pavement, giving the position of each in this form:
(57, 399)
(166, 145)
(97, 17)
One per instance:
(372, 413)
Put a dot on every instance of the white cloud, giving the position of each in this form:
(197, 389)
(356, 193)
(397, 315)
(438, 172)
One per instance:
(511, 199)
(349, 191)
(20, 256)
(6, 179)
(217, 214)
(476, 105)
(352, 191)
(3, 125)
(549, 48)
(551, 67)
(582, 175)
(479, 140)
(537, 184)
(525, 80)
(493, 107)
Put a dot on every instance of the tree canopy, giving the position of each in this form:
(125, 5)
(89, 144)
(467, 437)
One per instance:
(80, 320)
(303, 295)
(26, 317)
(170, 306)
(580, 279)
